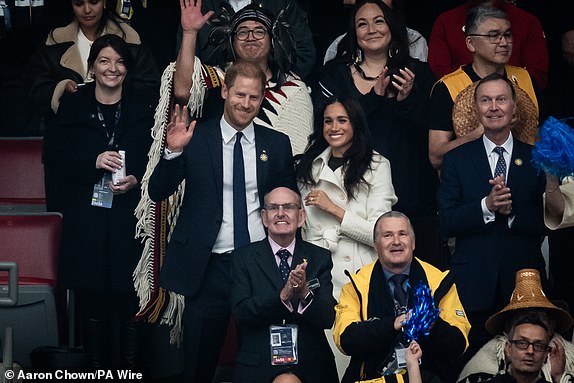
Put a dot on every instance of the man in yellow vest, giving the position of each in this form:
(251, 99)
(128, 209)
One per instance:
(489, 39)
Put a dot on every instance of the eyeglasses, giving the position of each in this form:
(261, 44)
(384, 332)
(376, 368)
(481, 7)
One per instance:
(495, 37)
(257, 33)
(285, 206)
(536, 346)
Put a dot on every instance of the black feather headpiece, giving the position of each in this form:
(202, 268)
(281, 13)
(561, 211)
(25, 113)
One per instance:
(283, 53)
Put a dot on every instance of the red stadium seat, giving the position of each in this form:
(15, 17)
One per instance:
(21, 171)
(32, 241)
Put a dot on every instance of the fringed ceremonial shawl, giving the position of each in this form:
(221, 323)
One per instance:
(287, 109)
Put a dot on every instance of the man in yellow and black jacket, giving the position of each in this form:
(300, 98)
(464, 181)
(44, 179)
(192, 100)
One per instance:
(370, 314)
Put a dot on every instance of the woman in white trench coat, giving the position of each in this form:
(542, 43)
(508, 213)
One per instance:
(346, 186)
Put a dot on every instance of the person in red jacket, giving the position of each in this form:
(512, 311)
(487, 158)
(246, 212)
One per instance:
(447, 48)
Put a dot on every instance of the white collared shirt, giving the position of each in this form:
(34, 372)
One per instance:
(224, 241)
(492, 156)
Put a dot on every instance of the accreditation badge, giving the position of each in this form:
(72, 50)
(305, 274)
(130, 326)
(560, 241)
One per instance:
(283, 342)
(102, 195)
(401, 357)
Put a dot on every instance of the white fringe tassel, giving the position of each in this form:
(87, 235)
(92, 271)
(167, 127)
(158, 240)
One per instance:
(143, 277)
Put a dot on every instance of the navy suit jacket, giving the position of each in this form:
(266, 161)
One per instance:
(256, 305)
(487, 255)
(201, 212)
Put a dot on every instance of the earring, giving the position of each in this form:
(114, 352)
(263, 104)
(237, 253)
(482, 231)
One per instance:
(358, 56)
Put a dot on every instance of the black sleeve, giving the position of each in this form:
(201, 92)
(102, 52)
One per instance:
(440, 105)
(166, 177)
(333, 80)
(41, 77)
(145, 71)
(305, 48)
(373, 336)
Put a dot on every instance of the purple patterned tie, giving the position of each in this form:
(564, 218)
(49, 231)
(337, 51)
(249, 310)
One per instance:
(500, 167)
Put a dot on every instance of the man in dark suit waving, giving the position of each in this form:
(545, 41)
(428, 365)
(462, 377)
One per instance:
(490, 200)
(282, 292)
(228, 165)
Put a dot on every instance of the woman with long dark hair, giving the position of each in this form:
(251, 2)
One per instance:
(346, 186)
(374, 66)
(100, 129)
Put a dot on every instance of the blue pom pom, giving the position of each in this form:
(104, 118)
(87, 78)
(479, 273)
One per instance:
(423, 314)
(554, 152)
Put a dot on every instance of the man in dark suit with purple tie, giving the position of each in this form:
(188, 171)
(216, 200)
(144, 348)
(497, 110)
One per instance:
(282, 288)
(490, 200)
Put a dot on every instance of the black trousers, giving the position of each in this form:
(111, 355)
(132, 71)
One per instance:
(205, 320)
(111, 336)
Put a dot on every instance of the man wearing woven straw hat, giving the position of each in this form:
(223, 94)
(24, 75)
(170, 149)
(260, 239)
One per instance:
(514, 349)
(490, 201)
(489, 39)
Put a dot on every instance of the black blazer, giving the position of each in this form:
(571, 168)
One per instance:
(490, 254)
(201, 213)
(256, 305)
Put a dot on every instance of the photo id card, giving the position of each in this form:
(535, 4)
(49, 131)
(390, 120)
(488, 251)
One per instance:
(283, 342)
(401, 357)
(102, 195)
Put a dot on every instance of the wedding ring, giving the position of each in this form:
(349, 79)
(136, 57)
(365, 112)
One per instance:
(295, 285)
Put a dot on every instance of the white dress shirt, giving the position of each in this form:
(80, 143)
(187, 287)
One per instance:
(224, 241)
(487, 215)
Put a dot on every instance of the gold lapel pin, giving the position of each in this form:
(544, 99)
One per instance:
(518, 162)
(264, 157)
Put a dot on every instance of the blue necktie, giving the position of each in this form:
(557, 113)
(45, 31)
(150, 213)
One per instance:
(500, 167)
(284, 268)
(399, 293)
(240, 227)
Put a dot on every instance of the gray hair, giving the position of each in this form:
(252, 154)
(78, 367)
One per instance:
(393, 214)
(478, 15)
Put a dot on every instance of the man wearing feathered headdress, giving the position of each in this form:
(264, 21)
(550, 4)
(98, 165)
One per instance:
(252, 34)
(291, 12)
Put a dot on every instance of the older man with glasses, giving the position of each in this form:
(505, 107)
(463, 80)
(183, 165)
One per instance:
(490, 39)
(447, 49)
(282, 299)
